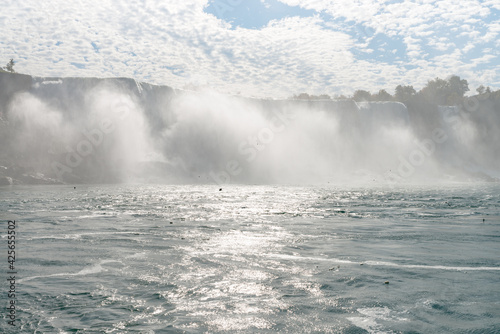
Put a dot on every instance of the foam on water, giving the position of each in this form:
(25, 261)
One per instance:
(370, 316)
(380, 264)
(389, 264)
(93, 269)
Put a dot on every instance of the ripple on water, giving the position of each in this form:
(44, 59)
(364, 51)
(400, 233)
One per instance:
(258, 259)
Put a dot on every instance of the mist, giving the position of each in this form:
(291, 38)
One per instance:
(117, 130)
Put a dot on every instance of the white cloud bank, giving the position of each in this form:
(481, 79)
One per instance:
(347, 45)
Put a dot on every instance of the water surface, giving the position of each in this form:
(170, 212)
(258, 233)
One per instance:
(260, 259)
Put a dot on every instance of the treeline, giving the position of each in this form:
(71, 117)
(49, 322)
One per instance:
(9, 67)
(444, 92)
(448, 92)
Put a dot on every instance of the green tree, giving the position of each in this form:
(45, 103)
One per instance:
(382, 95)
(457, 88)
(445, 92)
(404, 93)
(10, 66)
(457, 85)
(436, 91)
(482, 90)
(305, 96)
(302, 96)
(361, 95)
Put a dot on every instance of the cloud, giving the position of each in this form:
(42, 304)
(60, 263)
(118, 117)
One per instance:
(346, 45)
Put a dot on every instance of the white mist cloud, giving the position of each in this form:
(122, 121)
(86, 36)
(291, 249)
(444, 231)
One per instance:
(101, 133)
(215, 138)
(38, 123)
(103, 139)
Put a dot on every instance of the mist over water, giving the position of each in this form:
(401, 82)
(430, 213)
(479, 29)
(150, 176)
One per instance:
(94, 131)
(174, 253)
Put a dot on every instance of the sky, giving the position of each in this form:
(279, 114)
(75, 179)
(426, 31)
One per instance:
(259, 48)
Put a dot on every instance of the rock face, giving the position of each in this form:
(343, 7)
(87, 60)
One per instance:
(10, 84)
(90, 130)
(43, 120)
(19, 175)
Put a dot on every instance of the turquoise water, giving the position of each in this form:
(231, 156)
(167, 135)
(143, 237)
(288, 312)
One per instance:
(254, 259)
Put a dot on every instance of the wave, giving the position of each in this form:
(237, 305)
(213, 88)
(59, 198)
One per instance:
(93, 269)
(382, 263)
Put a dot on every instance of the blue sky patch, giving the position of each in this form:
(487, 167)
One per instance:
(96, 48)
(253, 14)
(176, 70)
(78, 65)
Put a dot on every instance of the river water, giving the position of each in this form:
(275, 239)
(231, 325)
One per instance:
(254, 259)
